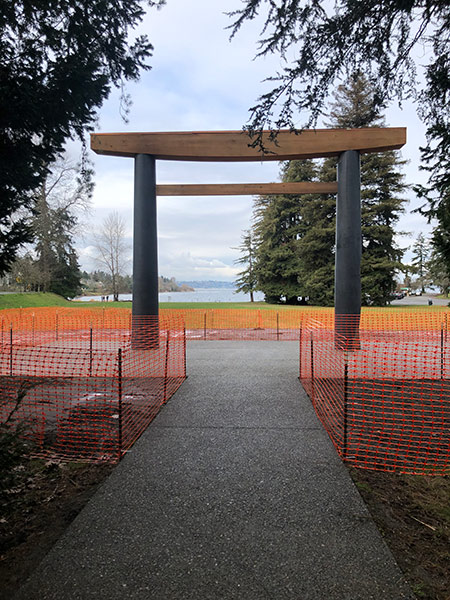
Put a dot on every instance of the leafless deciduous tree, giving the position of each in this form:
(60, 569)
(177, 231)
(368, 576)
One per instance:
(112, 249)
(50, 262)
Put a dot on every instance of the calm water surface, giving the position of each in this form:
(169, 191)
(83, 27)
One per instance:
(200, 295)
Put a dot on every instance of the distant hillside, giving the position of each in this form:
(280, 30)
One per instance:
(170, 285)
(209, 284)
(100, 283)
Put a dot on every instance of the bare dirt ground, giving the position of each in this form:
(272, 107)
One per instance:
(35, 512)
(412, 513)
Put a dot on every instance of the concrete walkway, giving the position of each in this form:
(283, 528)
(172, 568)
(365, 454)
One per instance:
(234, 492)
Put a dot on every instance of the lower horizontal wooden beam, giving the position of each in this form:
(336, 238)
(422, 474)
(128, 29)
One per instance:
(247, 189)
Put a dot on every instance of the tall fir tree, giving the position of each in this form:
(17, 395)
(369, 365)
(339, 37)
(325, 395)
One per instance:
(441, 232)
(421, 257)
(65, 191)
(296, 235)
(56, 260)
(316, 238)
(438, 273)
(59, 61)
(279, 227)
(246, 281)
(382, 187)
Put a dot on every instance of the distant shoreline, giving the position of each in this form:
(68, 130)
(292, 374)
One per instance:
(209, 284)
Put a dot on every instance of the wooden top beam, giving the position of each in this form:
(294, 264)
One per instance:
(230, 146)
(246, 189)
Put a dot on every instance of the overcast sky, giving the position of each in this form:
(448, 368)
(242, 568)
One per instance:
(202, 81)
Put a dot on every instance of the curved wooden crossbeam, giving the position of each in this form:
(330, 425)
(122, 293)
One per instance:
(229, 146)
(246, 189)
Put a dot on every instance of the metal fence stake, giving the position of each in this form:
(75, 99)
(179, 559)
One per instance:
(278, 327)
(300, 353)
(185, 357)
(345, 407)
(312, 371)
(119, 377)
(166, 366)
(11, 350)
(90, 351)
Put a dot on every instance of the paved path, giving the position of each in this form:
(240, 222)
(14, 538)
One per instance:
(234, 492)
(420, 301)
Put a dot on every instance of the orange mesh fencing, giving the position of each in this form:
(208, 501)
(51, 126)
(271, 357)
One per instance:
(245, 324)
(86, 382)
(83, 383)
(214, 324)
(383, 397)
(284, 324)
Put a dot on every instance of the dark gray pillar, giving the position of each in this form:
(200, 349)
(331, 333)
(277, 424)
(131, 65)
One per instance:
(347, 282)
(145, 327)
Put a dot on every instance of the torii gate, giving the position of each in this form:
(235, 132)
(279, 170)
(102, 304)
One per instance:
(229, 146)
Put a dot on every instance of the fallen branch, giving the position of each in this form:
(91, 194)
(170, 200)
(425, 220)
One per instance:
(422, 523)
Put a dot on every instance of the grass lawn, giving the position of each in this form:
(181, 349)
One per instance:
(43, 299)
(30, 299)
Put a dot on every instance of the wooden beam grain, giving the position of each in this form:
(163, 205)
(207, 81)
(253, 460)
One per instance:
(245, 189)
(229, 146)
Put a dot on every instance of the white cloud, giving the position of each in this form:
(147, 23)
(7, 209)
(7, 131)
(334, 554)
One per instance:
(178, 264)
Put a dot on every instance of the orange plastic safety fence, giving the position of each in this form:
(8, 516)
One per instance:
(251, 324)
(284, 324)
(382, 395)
(88, 387)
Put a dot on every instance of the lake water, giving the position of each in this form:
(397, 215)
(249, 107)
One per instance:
(199, 295)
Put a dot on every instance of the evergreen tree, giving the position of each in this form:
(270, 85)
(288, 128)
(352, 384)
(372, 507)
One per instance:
(279, 227)
(316, 237)
(438, 273)
(381, 189)
(56, 263)
(296, 235)
(246, 281)
(63, 193)
(441, 232)
(321, 42)
(58, 64)
(421, 255)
